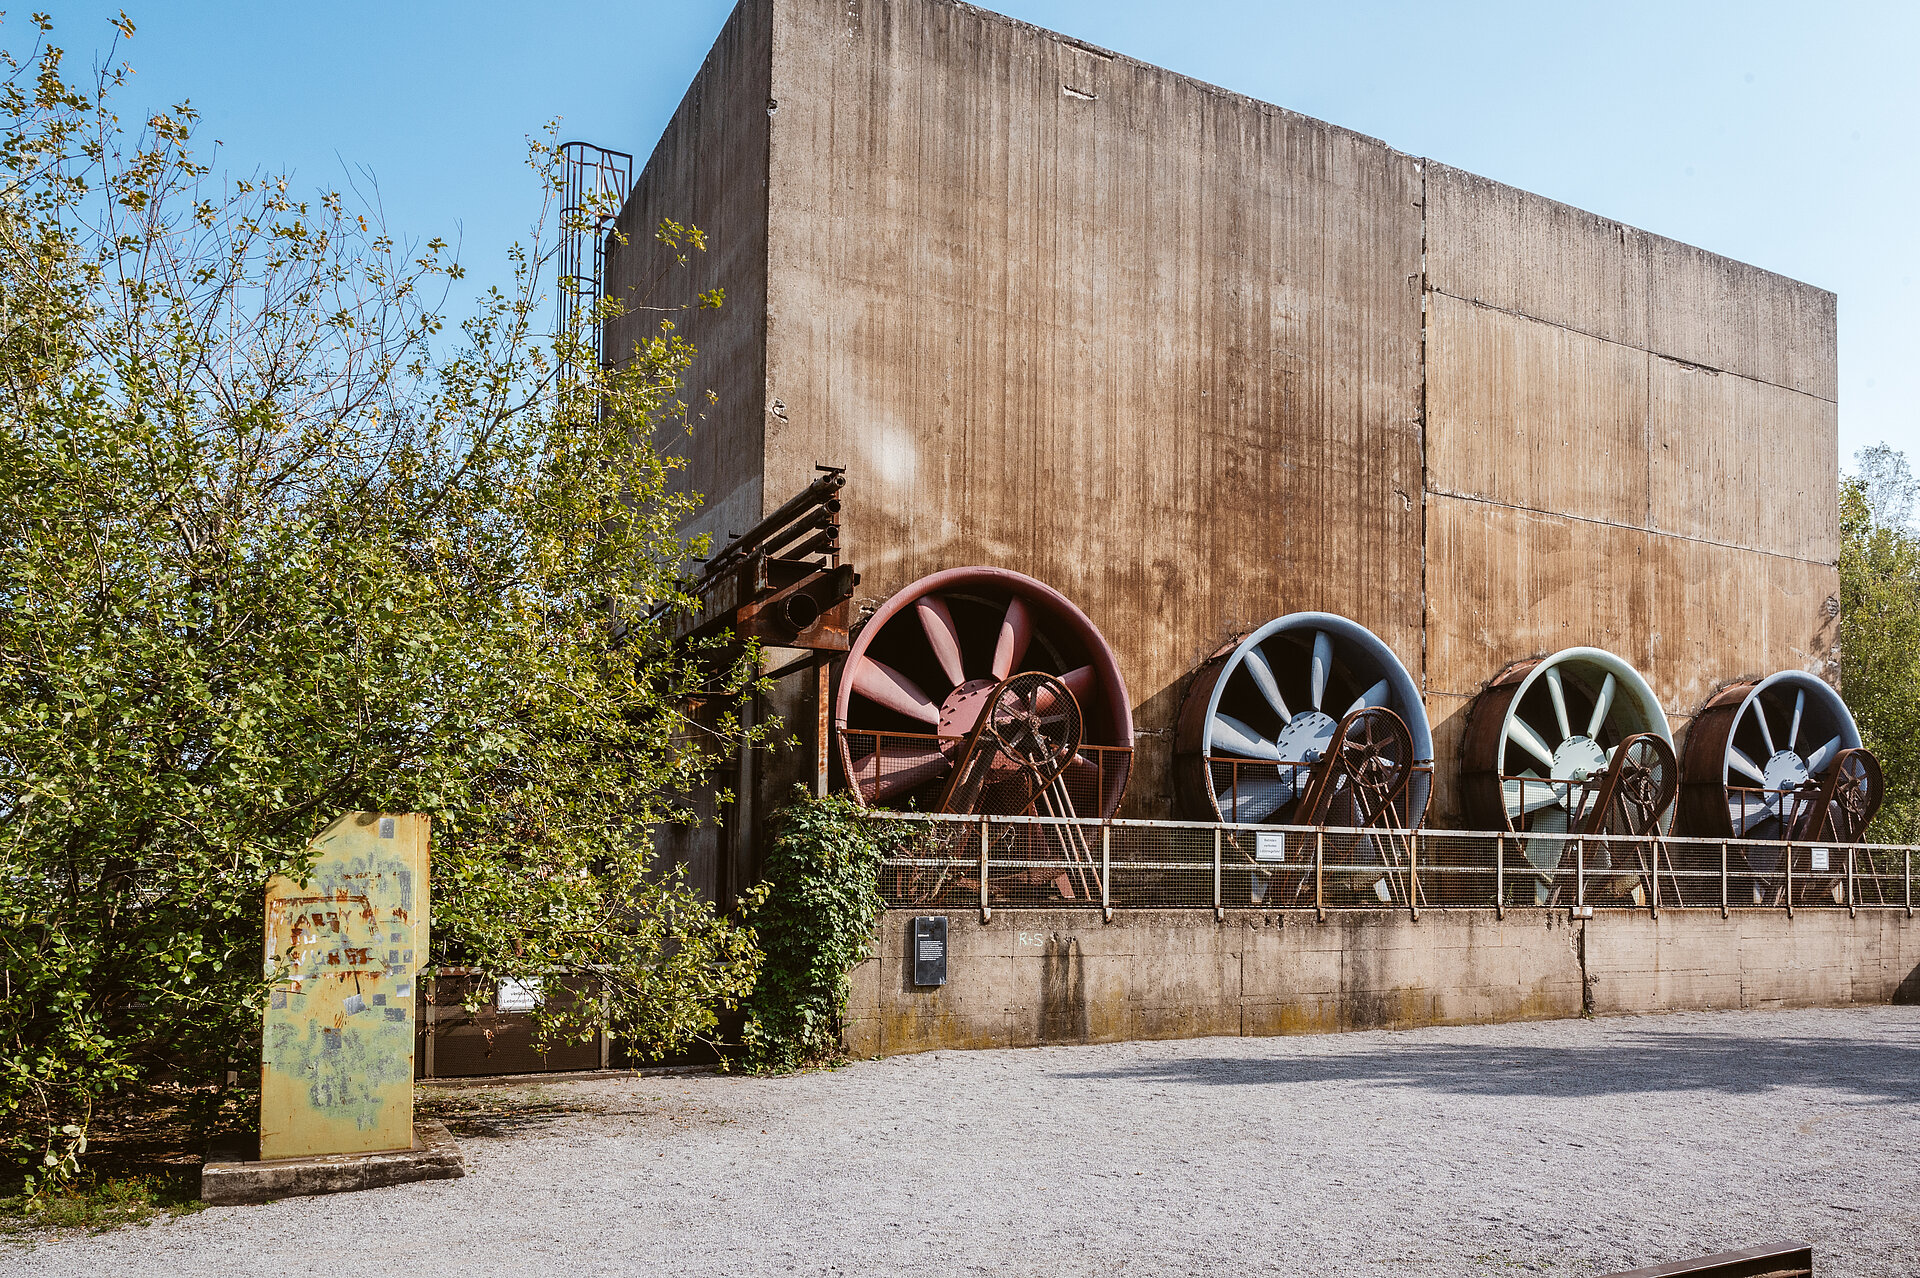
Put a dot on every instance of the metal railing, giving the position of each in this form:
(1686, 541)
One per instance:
(1005, 862)
(900, 769)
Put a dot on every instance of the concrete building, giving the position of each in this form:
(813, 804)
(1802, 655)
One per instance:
(1196, 361)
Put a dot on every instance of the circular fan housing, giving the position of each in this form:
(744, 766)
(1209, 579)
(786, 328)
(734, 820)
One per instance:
(923, 669)
(1752, 744)
(1262, 710)
(1546, 727)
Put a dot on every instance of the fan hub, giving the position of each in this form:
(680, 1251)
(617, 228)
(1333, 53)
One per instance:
(1578, 758)
(1785, 771)
(962, 709)
(1306, 739)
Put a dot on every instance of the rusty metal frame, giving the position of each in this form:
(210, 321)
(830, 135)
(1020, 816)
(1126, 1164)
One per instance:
(595, 183)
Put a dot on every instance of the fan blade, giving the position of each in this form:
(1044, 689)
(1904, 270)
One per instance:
(887, 687)
(1819, 759)
(1261, 671)
(1016, 631)
(1793, 733)
(1256, 801)
(1527, 739)
(1322, 665)
(894, 770)
(1544, 854)
(1527, 795)
(1235, 737)
(1374, 696)
(1766, 730)
(1045, 704)
(1744, 814)
(1082, 682)
(1737, 760)
(942, 636)
(1601, 705)
(1558, 691)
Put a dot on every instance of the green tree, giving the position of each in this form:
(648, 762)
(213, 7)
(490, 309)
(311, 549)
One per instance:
(266, 556)
(1880, 629)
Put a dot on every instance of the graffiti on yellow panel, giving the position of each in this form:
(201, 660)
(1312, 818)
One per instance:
(346, 945)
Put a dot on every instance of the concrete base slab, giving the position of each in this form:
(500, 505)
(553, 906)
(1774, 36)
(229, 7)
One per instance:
(227, 1179)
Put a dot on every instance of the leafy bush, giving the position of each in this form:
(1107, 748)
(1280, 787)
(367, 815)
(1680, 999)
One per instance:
(816, 922)
(266, 555)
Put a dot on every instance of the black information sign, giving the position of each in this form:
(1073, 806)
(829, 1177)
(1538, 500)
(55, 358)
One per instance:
(930, 950)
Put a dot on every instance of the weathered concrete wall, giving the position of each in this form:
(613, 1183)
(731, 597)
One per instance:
(1061, 976)
(1154, 343)
(1198, 361)
(708, 171)
(1605, 409)
(1688, 959)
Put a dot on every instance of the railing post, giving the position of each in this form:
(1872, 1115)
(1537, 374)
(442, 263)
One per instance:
(1106, 873)
(1723, 878)
(1579, 874)
(1219, 913)
(1909, 855)
(1413, 875)
(1500, 875)
(1852, 909)
(1786, 859)
(1653, 900)
(986, 910)
(1319, 885)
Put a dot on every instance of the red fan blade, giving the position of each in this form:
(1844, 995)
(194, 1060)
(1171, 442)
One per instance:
(1016, 631)
(894, 770)
(885, 686)
(1082, 682)
(942, 636)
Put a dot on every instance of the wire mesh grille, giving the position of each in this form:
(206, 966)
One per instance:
(1038, 862)
(908, 772)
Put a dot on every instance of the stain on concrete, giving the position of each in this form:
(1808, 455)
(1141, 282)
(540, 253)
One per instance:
(1064, 1015)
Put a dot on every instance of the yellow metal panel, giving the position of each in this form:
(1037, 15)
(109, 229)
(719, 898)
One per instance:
(337, 1071)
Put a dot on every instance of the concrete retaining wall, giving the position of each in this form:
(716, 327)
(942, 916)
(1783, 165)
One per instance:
(1062, 976)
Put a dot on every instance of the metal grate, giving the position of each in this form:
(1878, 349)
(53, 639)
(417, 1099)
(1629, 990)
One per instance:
(1039, 862)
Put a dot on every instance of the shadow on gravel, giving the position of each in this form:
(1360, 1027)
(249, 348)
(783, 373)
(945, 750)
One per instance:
(1727, 1063)
(498, 1114)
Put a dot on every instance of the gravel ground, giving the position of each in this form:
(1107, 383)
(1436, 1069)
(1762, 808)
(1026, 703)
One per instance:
(1575, 1147)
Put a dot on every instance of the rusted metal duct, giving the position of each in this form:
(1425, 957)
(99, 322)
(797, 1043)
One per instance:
(938, 656)
(1775, 761)
(1540, 754)
(1754, 745)
(1264, 710)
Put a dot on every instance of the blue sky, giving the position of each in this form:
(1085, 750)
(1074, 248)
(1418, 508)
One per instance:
(1783, 135)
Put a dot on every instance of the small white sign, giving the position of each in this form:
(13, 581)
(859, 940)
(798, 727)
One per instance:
(1819, 858)
(518, 996)
(1270, 847)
